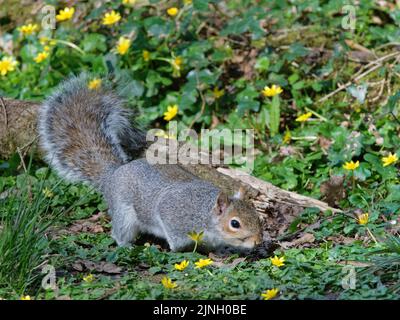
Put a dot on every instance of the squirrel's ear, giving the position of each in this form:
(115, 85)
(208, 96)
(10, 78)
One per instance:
(239, 195)
(222, 203)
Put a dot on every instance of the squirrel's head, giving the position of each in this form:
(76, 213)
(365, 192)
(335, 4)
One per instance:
(238, 222)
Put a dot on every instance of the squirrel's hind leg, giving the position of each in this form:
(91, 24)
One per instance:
(125, 225)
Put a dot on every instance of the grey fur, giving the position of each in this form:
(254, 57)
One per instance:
(87, 136)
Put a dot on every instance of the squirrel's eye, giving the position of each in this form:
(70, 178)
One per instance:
(235, 224)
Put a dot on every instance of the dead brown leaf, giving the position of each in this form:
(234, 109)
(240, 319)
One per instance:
(304, 239)
(102, 266)
(333, 190)
(220, 261)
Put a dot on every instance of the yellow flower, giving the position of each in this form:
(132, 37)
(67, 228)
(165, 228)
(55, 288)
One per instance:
(89, 278)
(111, 18)
(47, 193)
(177, 63)
(270, 294)
(176, 66)
(7, 64)
(181, 266)
(203, 263)
(28, 29)
(65, 14)
(187, 2)
(218, 93)
(41, 56)
(26, 298)
(168, 284)
(287, 137)
(173, 11)
(171, 112)
(129, 2)
(46, 48)
(162, 133)
(391, 158)
(146, 55)
(363, 218)
(43, 40)
(273, 91)
(351, 165)
(94, 84)
(278, 262)
(196, 236)
(123, 45)
(304, 117)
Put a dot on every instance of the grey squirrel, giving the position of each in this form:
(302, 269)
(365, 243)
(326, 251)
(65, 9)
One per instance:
(87, 136)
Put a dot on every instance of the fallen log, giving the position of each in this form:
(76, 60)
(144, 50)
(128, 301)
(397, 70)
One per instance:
(277, 207)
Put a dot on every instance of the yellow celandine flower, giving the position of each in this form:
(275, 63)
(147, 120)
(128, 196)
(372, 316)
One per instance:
(89, 278)
(181, 266)
(196, 236)
(123, 45)
(287, 137)
(273, 91)
(130, 2)
(7, 64)
(177, 63)
(270, 294)
(351, 165)
(28, 29)
(363, 218)
(65, 14)
(43, 40)
(391, 158)
(176, 66)
(162, 133)
(278, 262)
(168, 284)
(203, 263)
(26, 298)
(111, 18)
(218, 93)
(304, 117)
(173, 11)
(171, 112)
(47, 193)
(41, 56)
(46, 48)
(146, 55)
(94, 84)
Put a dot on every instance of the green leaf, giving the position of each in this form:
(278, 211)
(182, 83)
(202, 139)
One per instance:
(392, 103)
(94, 42)
(275, 114)
(246, 100)
(262, 64)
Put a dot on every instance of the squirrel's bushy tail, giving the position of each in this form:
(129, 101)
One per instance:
(87, 132)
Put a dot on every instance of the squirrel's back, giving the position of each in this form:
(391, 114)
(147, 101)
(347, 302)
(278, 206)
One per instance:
(87, 132)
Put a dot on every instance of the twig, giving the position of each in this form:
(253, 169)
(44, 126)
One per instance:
(361, 74)
(3, 104)
(22, 159)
